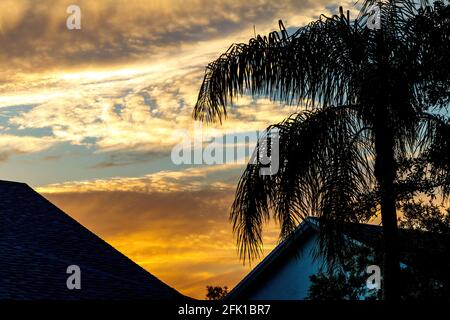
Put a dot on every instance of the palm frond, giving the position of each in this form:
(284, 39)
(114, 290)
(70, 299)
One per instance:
(438, 155)
(313, 64)
(424, 168)
(361, 81)
(325, 162)
(324, 62)
(428, 40)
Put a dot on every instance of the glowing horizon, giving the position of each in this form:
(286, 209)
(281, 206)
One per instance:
(89, 117)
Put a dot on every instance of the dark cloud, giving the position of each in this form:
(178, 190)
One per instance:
(122, 159)
(4, 156)
(52, 157)
(35, 36)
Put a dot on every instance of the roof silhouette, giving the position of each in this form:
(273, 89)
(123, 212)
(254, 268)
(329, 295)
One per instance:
(38, 242)
(430, 251)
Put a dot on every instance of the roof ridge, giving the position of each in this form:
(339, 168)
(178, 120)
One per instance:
(12, 182)
(36, 227)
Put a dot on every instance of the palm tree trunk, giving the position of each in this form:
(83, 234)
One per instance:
(385, 172)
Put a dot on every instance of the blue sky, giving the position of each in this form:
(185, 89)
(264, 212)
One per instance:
(89, 117)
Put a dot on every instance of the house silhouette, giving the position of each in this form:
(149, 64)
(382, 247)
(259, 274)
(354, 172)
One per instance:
(284, 274)
(38, 242)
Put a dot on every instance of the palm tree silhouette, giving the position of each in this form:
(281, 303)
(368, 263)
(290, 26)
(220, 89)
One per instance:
(374, 100)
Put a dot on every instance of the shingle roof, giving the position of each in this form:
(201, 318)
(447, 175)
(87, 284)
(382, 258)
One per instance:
(38, 242)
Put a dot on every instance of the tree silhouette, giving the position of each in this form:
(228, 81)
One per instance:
(425, 276)
(374, 99)
(216, 293)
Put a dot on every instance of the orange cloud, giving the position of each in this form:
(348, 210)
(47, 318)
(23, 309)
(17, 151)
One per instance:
(129, 78)
(183, 237)
(191, 179)
(127, 82)
(33, 34)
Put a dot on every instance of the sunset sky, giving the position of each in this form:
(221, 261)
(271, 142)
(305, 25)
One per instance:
(89, 118)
